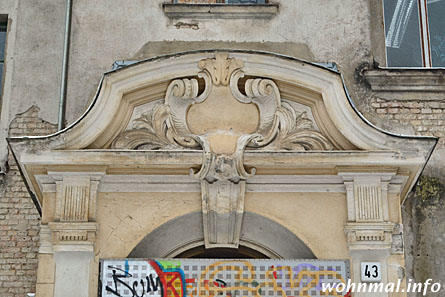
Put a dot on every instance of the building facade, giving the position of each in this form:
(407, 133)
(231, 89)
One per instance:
(219, 130)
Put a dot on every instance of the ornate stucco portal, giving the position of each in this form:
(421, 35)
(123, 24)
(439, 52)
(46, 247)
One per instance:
(220, 150)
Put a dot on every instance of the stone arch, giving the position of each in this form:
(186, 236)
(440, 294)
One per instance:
(186, 232)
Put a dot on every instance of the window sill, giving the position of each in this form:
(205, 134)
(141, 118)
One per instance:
(407, 84)
(220, 11)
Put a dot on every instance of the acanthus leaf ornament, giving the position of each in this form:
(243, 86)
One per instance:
(220, 68)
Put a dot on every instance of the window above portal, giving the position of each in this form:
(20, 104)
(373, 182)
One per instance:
(221, 1)
(415, 33)
(220, 9)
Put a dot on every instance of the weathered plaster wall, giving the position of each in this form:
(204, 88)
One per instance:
(33, 60)
(330, 30)
(124, 222)
(299, 211)
(425, 237)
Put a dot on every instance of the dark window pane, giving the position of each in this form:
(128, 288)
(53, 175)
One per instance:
(436, 21)
(403, 44)
(2, 52)
(2, 41)
(1, 77)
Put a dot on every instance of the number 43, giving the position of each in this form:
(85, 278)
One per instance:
(371, 272)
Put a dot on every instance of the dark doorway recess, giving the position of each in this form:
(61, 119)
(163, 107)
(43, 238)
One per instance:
(222, 253)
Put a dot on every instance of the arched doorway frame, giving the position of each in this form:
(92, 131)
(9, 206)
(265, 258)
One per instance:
(258, 233)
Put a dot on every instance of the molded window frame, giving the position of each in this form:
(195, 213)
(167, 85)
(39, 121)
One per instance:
(3, 43)
(205, 10)
(228, 2)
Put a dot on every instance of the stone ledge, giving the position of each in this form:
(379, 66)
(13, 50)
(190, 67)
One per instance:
(407, 84)
(220, 11)
(77, 235)
(372, 235)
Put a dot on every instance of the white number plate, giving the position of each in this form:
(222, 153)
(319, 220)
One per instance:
(371, 272)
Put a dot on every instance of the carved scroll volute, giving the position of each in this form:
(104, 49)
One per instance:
(165, 126)
(280, 126)
(265, 95)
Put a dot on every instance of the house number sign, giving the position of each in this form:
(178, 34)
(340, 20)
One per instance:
(371, 272)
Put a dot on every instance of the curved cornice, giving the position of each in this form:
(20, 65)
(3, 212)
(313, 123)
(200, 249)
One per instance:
(123, 89)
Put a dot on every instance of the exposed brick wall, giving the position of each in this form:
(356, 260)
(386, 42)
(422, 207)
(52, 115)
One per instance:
(19, 220)
(427, 117)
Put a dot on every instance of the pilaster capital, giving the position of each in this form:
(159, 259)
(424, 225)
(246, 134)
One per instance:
(368, 226)
(76, 195)
(73, 226)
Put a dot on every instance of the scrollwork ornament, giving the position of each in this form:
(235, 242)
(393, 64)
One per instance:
(280, 126)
